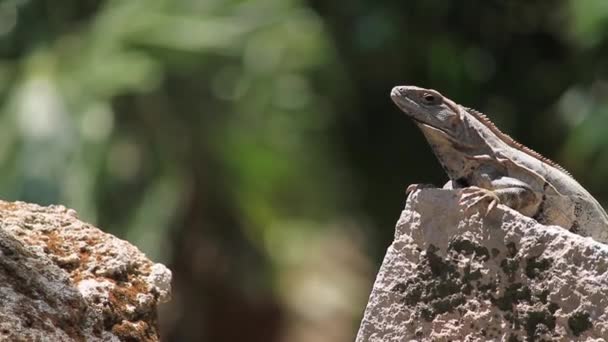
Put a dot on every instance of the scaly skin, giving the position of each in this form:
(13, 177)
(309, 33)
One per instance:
(492, 168)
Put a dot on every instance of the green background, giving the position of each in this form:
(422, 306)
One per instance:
(252, 145)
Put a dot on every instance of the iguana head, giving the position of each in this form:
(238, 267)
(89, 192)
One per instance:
(447, 127)
(430, 109)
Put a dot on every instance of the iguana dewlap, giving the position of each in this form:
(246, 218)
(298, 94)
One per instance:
(492, 168)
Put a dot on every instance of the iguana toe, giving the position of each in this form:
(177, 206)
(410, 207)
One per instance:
(413, 187)
(473, 196)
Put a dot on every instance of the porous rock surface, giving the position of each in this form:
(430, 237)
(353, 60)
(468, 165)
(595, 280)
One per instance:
(455, 276)
(62, 279)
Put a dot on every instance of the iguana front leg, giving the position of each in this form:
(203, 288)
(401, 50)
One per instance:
(509, 191)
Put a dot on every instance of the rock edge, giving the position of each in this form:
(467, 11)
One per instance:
(453, 277)
(62, 279)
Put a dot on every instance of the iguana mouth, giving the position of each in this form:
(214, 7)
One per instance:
(416, 110)
(456, 143)
(426, 125)
(406, 104)
(409, 107)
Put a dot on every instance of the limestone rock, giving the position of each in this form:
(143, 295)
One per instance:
(451, 276)
(62, 279)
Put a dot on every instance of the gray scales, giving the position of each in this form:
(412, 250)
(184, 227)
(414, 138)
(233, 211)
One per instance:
(492, 168)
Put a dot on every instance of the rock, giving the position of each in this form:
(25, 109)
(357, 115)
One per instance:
(504, 277)
(62, 279)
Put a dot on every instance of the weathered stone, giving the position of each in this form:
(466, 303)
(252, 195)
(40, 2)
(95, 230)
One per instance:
(451, 276)
(62, 279)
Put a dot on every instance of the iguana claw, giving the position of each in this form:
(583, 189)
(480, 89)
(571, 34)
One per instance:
(473, 195)
(413, 187)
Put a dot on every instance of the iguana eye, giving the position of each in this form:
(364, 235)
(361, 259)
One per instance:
(431, 99)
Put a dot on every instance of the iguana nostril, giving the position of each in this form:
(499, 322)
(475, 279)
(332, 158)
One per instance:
(397, 91)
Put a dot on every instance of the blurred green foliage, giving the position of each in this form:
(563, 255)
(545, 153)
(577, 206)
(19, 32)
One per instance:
(252, 144)
(68, 139)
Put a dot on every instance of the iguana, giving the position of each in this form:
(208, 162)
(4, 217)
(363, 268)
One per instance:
(490, 167)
